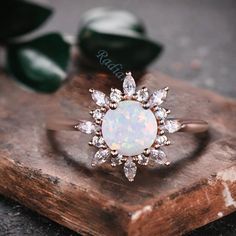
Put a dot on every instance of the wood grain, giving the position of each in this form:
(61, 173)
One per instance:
(51, 174)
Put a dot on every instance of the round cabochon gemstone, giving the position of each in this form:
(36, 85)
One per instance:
(129, 128)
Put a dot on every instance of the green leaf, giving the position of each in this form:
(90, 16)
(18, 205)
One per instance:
(20, 17)
(120, 34)
(40, 64)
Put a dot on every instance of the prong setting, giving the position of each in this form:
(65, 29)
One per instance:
(105, 104)
(113, 105)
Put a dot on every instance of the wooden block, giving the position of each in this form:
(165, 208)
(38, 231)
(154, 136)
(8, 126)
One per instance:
(51, 173)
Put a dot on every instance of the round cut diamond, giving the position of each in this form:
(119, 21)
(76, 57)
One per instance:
(142, 95)
(98, 114)
(98, 141)
(116, 95)
(129, 128)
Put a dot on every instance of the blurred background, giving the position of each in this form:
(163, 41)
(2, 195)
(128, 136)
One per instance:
(199, 36)
(199, 46)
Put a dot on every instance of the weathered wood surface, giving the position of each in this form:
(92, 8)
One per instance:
(51, 174)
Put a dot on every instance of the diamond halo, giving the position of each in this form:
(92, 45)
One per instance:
(144, 125)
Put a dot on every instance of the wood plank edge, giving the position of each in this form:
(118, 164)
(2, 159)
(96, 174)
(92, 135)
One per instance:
(188, 209)
(60, 201)
(178, 213)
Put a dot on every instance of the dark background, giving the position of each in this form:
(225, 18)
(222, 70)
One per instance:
(200, 40)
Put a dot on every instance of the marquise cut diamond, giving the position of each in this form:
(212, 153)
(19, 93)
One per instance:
(130, 169)
(86, 127)
(172, 126)
(129, 85)
(158, 156)
(100, 98)
(100, 157)
(157, 98)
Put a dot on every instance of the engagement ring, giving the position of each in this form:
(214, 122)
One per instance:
(129, 127)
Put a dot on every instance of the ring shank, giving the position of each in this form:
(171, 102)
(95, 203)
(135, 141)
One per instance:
(193, 126)
(187, 125)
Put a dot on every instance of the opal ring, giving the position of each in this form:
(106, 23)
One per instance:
(129, 127)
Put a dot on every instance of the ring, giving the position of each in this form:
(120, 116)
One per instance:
(129, 127)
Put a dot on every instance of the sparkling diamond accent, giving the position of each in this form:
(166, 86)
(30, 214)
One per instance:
(129, 85)
(142, 159)
(117, 160)
(161, 140)
(100, 98)
(86, 127)
(98, 141)
(158, 156)
(98, 114)
(130, 169)
(100, 157)
(116, 95)
(142, 95)
(157, 98)
(172, 125)
(161, 113)
(129, 128)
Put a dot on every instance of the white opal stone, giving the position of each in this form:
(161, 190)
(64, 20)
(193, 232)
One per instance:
(129, 128)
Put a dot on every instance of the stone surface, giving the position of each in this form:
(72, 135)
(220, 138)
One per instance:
(129, 128)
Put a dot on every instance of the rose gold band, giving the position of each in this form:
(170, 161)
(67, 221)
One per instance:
(193, 126)
(187, 125)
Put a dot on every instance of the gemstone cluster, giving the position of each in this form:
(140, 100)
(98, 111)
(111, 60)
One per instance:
(129, 127)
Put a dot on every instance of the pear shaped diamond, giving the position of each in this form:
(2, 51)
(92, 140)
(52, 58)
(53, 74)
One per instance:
(158, 97)
(130, 169)
(158, 156)
(129, 85)
(86, 127)
(172, 126)
(100, 98)
(100, 157)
